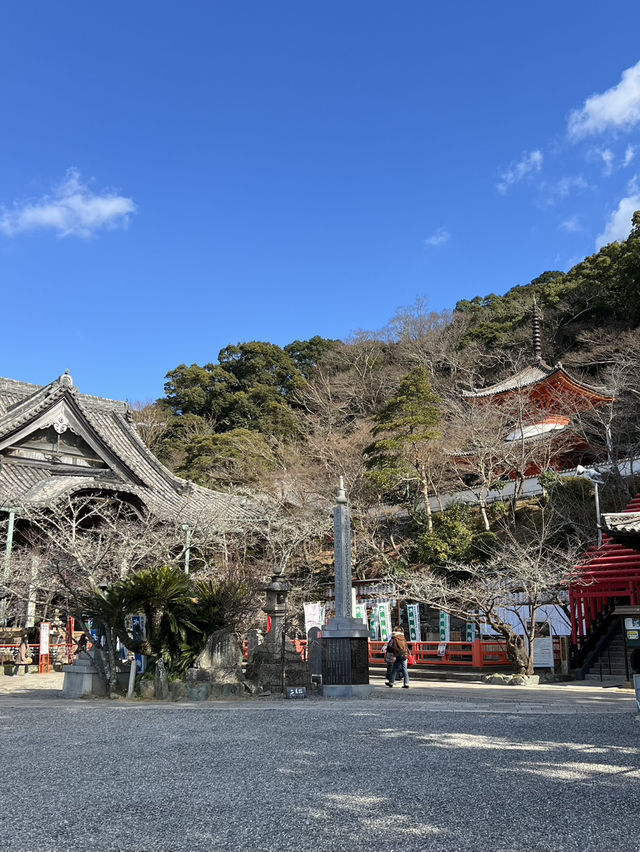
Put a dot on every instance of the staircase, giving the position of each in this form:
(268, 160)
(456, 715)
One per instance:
(609, 667)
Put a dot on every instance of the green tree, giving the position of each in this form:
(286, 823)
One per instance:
(240, 456)
(202, 391)
(261, 364)
(307, 354)
(405, 430)
(252, 387)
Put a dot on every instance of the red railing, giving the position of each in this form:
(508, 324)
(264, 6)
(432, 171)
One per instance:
(34, 648)
(478, 654)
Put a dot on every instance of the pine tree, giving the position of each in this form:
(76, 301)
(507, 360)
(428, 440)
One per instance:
(405, 429)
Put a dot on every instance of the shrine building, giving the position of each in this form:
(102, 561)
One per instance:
(57, 443)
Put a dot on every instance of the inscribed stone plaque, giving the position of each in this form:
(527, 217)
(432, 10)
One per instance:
(345, 660)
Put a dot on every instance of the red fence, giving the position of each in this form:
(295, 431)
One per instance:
(65, 652)
(477, 654)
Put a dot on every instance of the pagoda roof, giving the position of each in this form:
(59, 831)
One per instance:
(539, 374)
(128, 467)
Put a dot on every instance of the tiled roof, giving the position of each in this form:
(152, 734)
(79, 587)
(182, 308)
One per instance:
(136, 470)
(524, 378)
(623, 523)
(528, 377)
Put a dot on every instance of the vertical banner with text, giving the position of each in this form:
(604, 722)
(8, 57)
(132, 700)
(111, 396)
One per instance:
(384, 619)
(373, 625)
(445, 630)
(413, 617)
(360, 611)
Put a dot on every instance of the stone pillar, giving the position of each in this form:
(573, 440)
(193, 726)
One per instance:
(345, 639)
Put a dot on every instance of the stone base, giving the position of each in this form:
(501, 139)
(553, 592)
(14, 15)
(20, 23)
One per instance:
(346, 690)
(265, 669)
(82, 680)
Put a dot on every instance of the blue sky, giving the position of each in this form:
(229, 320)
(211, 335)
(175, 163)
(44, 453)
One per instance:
(175, 177)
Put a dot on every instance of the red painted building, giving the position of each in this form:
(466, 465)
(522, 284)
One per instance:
(610, 574)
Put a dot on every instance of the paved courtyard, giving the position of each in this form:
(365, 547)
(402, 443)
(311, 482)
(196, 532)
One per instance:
(439, 767)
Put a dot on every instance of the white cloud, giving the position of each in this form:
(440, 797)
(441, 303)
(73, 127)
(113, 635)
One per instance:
(617, 108)
(607, 157)
(562, 188)
(531, 162)
(438, 237)
(618, 226)
(629, 154)
(571, 225)
(72, 210)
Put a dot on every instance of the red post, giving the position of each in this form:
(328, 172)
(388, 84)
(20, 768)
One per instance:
(476, 654)
(68, 637)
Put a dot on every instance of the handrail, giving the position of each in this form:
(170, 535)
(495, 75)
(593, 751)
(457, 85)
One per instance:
(604, 643)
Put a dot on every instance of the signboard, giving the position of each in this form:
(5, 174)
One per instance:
(445, 627)
(296, 692)
(413, 617)
(632, 630)
(442, 649)
(45, 633)
(543, 653)
(471, 631)
(137, 625)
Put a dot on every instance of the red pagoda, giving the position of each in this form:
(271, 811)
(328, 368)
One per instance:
(543, 402)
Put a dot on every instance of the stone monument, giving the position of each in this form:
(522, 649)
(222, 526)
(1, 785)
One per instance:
(345, 639)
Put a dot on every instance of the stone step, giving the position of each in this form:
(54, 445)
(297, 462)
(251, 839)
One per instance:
(592, 678)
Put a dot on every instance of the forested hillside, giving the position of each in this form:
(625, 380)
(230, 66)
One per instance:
(384, 408)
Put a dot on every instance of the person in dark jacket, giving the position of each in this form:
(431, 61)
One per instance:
(400, 649)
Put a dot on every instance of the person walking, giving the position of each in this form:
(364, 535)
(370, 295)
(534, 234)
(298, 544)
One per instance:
(398, 645)
(24, 657)
(389, 658)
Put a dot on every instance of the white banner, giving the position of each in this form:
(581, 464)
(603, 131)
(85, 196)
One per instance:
(314, 614)
(413, 617)
(360, 611)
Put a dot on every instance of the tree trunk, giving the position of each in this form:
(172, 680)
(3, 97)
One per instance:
(483, 514)
(517, 653)
(425, 496)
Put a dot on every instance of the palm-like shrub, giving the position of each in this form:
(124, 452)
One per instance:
(180, 613)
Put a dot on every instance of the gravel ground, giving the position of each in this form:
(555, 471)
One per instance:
(396, 773)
